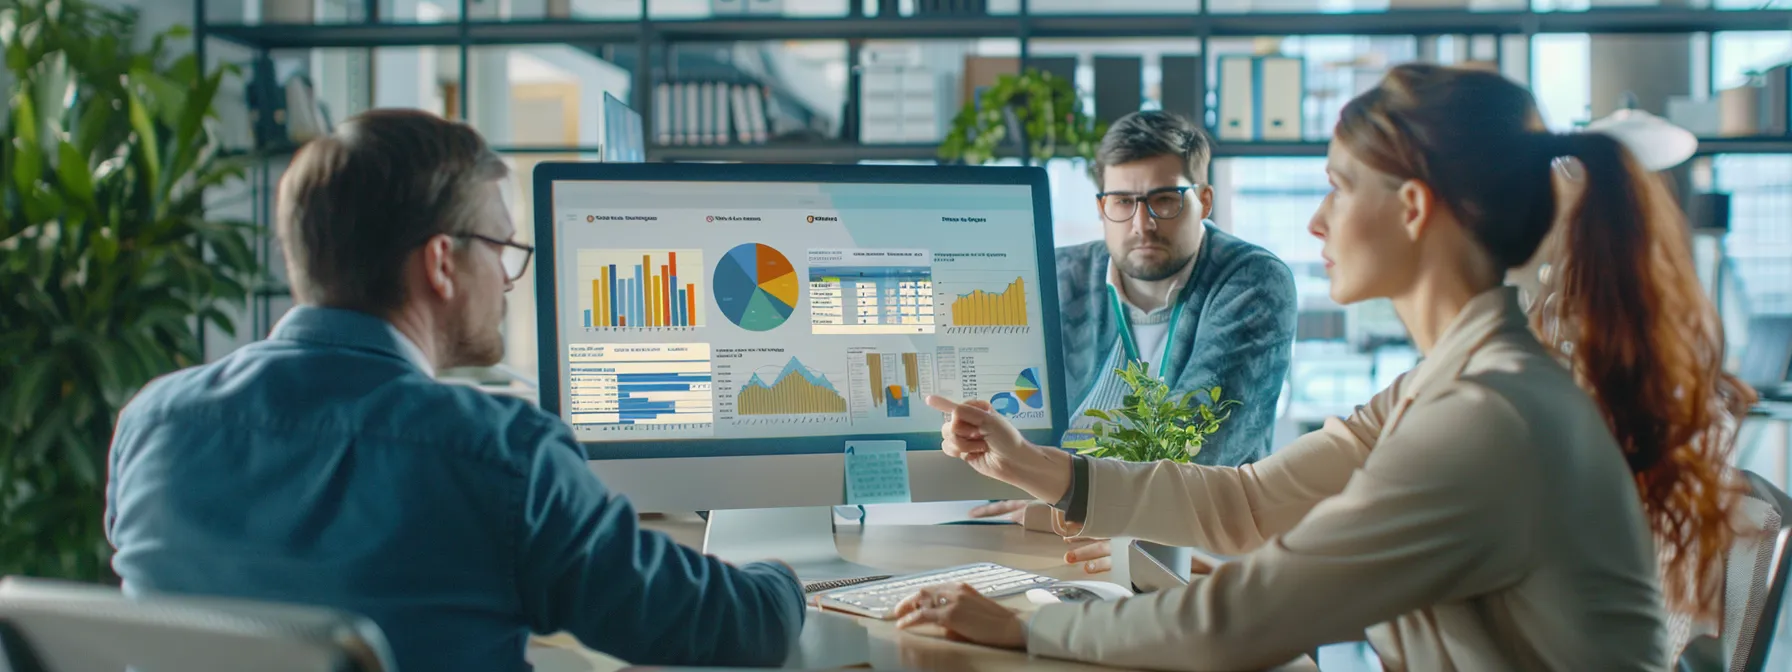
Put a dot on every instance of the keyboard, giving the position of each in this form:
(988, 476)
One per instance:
(878, 599)
(813, 587)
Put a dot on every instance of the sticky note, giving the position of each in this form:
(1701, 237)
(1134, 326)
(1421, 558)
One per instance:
(877, 472)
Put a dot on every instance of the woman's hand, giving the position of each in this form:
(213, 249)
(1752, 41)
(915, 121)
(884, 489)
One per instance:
(965, 615)
(974, 433)
(1095, 555)
(1014, 509)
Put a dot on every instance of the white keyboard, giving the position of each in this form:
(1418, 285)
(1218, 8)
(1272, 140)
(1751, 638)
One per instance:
(878, 599)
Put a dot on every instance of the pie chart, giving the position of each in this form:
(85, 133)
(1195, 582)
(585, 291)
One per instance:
(1026, 387)
(756, 287)
(1026, 393)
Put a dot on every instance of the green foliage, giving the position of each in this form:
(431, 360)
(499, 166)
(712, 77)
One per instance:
(1048, 109)
(107, 259)
(1152, 425)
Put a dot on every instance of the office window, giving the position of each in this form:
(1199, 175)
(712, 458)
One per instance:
(541, 96)
(1561, 79)
(1759, 244)
(1737, 53)
(1342, 354)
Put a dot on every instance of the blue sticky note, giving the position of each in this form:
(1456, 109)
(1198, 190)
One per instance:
(877, 472)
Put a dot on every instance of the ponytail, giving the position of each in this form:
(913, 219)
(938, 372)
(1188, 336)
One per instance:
(1623, 304)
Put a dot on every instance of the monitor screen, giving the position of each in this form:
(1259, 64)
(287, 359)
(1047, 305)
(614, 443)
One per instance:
(624, 140)
(746, 317)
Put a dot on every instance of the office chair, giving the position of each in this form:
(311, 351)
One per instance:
(59, 626)
(1755, 574)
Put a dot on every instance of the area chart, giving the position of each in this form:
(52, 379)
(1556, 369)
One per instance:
(796, 389)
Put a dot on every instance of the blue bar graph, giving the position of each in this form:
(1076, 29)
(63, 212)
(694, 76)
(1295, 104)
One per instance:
(640, 396)
(587, 318)
(637, 311)
(613, 283)
(640, 383)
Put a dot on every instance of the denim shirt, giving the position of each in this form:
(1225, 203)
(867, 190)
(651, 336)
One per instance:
(322, 466)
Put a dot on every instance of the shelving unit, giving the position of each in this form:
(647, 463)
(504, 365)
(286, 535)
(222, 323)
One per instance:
(643, 44)
(650, 36)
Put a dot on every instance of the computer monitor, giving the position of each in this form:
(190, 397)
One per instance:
(716, 334)
(624, 139)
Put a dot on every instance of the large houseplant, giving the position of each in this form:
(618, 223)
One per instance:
(1153, 424)
(109, 264)
(1034, 109)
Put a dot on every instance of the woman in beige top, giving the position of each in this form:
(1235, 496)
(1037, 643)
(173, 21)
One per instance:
(1483, 513)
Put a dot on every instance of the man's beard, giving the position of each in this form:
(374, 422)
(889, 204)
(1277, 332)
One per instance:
(1152, 272)
(476, 342)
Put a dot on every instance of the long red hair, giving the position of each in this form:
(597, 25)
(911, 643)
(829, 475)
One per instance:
(1621, 301)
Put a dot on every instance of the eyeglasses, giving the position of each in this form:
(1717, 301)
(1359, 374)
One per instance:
(1163, 203)
(514, 255)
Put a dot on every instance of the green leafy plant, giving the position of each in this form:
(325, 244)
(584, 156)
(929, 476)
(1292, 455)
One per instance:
(1151, 424)
(1042, 108)
(110, 265)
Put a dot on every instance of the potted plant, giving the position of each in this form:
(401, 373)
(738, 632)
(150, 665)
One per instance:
(110, 265)
(1035, 111)
(1152, 424)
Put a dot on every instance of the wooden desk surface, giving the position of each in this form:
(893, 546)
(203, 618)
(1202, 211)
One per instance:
(833, 640)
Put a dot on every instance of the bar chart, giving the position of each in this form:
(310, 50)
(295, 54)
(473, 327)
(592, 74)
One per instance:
(640, 289)
(662, 385)
(886, 384)
(979, 308)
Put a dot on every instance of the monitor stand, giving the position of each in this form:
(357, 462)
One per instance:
(801, 537)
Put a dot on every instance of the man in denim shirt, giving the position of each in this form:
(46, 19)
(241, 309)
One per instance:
(1196, 305)
(326, 465)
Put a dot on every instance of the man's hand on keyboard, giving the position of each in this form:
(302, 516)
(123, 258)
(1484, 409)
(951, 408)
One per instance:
(965, 615)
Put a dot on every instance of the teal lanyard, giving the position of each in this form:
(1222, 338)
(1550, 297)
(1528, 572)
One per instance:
(1132, 347)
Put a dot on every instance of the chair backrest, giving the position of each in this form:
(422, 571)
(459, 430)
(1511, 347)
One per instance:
(59, 626)
(1767, 571)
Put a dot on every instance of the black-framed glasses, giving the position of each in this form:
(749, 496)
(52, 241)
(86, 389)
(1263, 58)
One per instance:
(515, 255)
(1162, 203)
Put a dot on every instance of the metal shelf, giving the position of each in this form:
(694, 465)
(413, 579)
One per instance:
(845, 152)
(1293, 148)
(326, 36)
(830, 152)
(1767, 144)
(779, 28)
(1426, 22)
(363, 35)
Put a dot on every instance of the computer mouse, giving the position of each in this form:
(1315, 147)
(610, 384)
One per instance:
(1070, 593)
(1076, 591)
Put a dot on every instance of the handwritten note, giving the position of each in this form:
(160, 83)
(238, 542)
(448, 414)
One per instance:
(877, 472)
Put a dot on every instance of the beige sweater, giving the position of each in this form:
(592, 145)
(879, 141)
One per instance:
(1477, 515)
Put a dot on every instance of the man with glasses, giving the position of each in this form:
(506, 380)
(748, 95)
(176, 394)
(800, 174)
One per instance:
(325, 465)
(1196, 306)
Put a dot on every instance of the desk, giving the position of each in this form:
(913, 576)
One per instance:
(833, 640)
